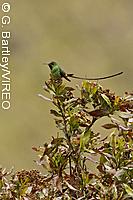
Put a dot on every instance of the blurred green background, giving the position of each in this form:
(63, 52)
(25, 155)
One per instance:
(88, 38)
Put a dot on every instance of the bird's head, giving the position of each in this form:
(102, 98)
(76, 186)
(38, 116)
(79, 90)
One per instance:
(52, 64)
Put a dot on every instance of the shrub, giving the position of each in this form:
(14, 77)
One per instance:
(71, 156)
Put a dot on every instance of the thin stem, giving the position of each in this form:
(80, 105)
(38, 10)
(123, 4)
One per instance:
(62, 110)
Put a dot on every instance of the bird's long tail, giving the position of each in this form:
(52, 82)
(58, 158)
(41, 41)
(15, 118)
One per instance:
(97, 78)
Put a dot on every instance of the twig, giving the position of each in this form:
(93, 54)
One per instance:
(44, 98)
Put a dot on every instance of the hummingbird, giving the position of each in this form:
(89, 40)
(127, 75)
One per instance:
(58, 73)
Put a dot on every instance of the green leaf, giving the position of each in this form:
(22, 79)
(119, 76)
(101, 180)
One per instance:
(128, 190)
(115, 195)
(74, 123)
(106, 99)
(84, 138)
(60, 89)
(113, 140)
(125, 115)
(42, 195)
(102, 160)
(119, 173)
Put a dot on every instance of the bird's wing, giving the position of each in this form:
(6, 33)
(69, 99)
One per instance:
(63, 74)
